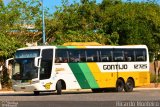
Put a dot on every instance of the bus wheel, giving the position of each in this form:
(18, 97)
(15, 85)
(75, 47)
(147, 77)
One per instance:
(129, 85)
(59, 88)
(119, 85)
(36, 92)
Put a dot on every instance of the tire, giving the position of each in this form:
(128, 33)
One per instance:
(119, 85)
(59, 88)
(36, 93)
(129, 85)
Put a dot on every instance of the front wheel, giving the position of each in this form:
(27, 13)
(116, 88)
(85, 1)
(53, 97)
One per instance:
(59, 88)
(129, 85)
(119, 85)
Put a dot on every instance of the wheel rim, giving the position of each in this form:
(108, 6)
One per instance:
(120, 86)
(130, 84)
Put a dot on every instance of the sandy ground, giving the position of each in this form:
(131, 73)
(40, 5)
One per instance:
(152, 85)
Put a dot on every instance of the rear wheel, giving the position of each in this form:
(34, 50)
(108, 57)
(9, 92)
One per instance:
(129, 85)
(36, 92)
(59, 88)
(119, 85)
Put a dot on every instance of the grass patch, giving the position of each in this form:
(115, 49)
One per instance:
(154, 79)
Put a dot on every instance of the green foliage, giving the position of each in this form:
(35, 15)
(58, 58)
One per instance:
(153, 78)
(15, 16)
(158, 57)
(113, 39)
(8, 45)
(117, 22)
(112, 22)
(72, 36)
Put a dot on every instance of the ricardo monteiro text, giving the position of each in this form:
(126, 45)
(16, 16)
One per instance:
(115, 67)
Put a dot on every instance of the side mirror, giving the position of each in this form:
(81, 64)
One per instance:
(37, 61)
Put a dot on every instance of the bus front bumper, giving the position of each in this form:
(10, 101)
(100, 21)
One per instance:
(25, 88)
(33, 87)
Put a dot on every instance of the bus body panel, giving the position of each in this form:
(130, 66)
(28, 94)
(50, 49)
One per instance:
(64, 72)
(90, 75)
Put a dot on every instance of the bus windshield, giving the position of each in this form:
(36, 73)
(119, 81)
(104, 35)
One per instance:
(27, 53)
(24, 69)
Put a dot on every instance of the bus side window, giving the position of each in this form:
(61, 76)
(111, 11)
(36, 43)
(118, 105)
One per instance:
(61, 56)
(72, 55)
(58, 59)
(91, 55)
(128, 55)
(90, 59)
(129, 59)
(118, 55)
(119, 58)
(140, 58)
(105, 55)
(105, 59)
(65, 60)
(140, 54)
(77, 55)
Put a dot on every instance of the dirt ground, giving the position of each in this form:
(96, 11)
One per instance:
(152, 85)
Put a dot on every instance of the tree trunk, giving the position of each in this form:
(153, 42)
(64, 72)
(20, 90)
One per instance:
(0, 86)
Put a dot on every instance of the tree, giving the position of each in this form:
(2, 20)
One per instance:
(18, 16)
(117, 22)
(15, 17)
(8, 46)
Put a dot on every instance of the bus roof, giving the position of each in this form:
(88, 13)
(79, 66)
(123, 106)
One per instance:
(35, 47)
(82, 44)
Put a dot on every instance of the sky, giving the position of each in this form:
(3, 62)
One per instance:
(52, 3)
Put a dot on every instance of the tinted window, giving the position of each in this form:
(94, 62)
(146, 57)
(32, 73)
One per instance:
(118, 55)
(46, 63)
(27, 53)
(61, 56)
(92, 55)
(128, 55)
(100, 55)
(106, 55)
(140, 55)
(77, 55)
(47, 54)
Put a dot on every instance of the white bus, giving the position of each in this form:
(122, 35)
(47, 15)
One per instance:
(57, 68)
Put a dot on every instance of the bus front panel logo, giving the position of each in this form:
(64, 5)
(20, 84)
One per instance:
(47, 85)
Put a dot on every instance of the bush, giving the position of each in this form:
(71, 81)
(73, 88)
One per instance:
(153, 78)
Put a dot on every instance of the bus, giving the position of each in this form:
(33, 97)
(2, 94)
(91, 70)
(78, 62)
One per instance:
(80, 66)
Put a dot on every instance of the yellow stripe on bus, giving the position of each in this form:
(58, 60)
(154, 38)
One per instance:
(80, 47)
(102, 78)
(108, 79)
